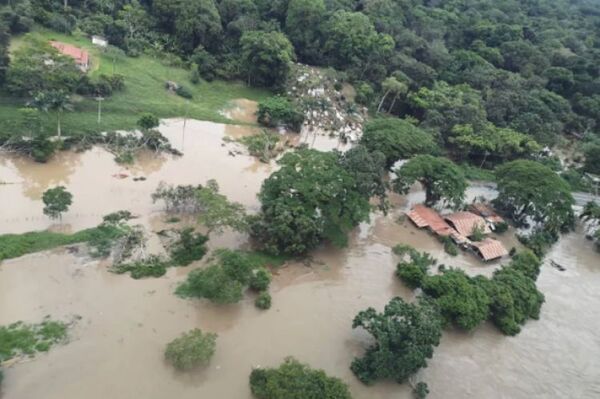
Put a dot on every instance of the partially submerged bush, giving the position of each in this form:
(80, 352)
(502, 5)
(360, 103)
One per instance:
(294, 380)
(191, 349)
(263, 301)
(279, 111)
(20, 339)
(262, 145)
(153, 266)
(260, 280)
(190, 247)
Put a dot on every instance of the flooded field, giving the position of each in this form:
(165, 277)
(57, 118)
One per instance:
(116, 348)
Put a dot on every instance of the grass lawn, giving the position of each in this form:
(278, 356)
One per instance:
(145, 91)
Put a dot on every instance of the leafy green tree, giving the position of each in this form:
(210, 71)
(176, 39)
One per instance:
(351, 41)
(260, 280)
(444, 106)
(294, 380)
(56, 201)
(267, 57)
(189, 247)
(421, 390)
(413, 271)
(192, 349)
(405, 335)
(396, 139)
(193, 22)
(53, 100)
(391, 86)
(490, 141)
(217, 212)
(530, 190)
(462, 302)
(369, 172)
(310, 198)
(303, 27)
(440, 177)
(279, 111)
(592, 159)
(263, 300)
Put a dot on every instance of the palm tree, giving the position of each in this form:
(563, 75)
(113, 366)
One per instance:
(392, 85)
(53, 100)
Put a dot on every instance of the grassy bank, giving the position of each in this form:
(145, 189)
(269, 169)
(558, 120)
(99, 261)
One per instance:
(16, 245)
(145, 91)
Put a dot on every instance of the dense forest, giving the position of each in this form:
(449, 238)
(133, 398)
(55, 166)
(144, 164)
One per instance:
(481, 74)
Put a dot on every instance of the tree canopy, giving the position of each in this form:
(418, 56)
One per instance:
(405, 335)
(530, 191)
(295, 380)
(396, 139)
(266, 56)
(56, 200)
(309, 199)
(442, 180)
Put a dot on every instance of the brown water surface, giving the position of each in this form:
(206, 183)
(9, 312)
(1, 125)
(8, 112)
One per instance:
(116, 349)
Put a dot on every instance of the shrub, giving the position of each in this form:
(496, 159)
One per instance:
(184, 92)
(25, 339)
(260, 280)
(189, 247)
(449, 246)
(501, 228)
(263, 301)
(294, 380)
(364, 93)
(191, 349)
(413, 271)
(279, 111)
(153, 266)
(420, 391)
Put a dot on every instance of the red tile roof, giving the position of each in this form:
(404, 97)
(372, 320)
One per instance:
(80, 56)
(465, 222)
(490, 249)
(423, 216)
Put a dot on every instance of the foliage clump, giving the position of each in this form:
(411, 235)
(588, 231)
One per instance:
(263, 300)
(294, 380)
(152, 266)
(397, 139)
(279, 111)
(20, 339)
(309, 199)
(56, 201)
(262, 145)
(226, 278)
(191, 350)
(189, 247)
(405, 335)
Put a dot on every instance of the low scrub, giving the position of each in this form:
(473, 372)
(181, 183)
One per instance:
(153, 266)
(20, 339)
(279, 111)
(190, 247)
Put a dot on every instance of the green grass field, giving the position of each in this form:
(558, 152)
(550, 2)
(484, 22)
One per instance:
(145, 91)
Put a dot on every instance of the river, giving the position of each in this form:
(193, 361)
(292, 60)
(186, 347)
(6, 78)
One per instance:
(116, 348)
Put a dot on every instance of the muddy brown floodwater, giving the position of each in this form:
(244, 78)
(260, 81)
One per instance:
(116, 349)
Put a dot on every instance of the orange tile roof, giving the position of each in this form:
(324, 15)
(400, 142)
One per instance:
(490, 249)
(80, 56)
(423, 216)
(465, 222)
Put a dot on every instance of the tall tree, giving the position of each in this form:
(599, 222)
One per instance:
(56, 200)
(4, 59)
(267, 57)
(530, 191)
(442, 180)
(405, 335)
(303, 27)
(53, 100)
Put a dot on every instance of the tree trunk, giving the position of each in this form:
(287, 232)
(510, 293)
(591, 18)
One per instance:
(393, 103)
(58, 124)
(66, 4)
(382, 100)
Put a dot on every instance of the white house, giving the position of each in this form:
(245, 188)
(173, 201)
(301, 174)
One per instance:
(99, 41)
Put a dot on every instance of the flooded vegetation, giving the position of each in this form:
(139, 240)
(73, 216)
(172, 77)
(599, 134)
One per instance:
(117, 348)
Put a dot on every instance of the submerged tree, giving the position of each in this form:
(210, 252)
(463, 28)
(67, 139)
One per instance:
(192, 349)
(294, 380)
(56, 200)
(405, 335)
(440, 177)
